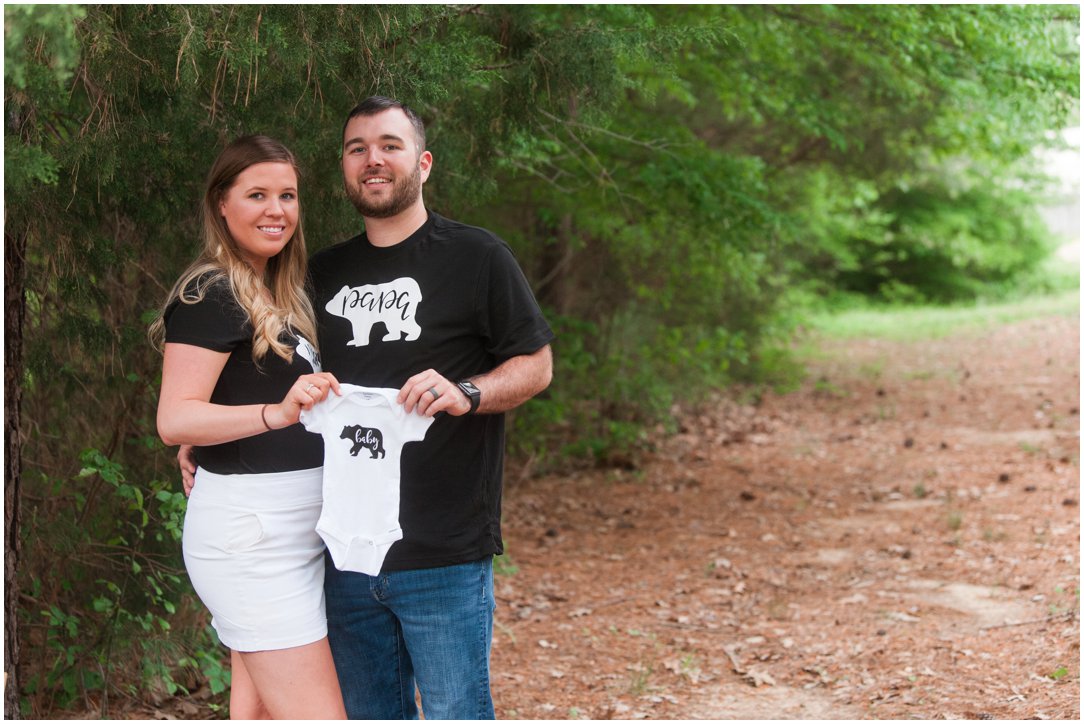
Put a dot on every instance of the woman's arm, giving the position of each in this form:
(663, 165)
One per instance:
(186, 415)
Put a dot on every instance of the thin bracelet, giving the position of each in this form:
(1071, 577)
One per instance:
(264, 418)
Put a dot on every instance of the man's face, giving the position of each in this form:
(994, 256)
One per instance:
(382, 169)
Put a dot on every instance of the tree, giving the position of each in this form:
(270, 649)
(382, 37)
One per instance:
(672, 179)
(39, 52)
(757, 154)
(108, 220)
(870, 109)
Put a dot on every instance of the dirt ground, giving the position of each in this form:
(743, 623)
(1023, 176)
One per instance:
(898, 539)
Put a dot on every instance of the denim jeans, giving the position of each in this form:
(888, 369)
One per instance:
(433, 626)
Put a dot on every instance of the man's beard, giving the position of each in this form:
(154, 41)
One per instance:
(402, 197)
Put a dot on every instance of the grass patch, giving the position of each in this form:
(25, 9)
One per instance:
(873, 370)
(931, 322)
(503, 565)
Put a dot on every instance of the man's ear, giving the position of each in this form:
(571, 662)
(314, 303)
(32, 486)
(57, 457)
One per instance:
(425, 164)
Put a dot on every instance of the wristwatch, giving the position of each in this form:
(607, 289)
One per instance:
(473, 394)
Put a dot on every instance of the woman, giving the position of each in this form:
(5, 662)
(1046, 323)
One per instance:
(238, 369)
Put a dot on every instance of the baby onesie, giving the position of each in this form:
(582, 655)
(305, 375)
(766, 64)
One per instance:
(364, 432)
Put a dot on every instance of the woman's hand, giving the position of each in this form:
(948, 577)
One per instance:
(302, 395)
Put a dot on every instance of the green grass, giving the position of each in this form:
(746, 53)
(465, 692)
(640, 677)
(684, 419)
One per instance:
(926, 322)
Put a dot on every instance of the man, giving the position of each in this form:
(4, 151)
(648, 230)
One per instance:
(442, 312)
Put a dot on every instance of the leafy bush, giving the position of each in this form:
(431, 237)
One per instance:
(942, 246)
(677, 182)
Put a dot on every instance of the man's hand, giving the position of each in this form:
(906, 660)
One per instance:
(186, 459)
(430, 392)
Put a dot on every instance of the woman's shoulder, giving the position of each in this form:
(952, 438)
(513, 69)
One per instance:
(210, 284)
(204, 297)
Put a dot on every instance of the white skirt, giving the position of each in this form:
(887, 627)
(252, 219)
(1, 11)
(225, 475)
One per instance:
(255, 559)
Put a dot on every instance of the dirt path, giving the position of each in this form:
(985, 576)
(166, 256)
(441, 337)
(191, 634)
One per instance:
(898, 539)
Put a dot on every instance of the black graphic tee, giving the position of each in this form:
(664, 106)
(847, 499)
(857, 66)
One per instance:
(450, 297)
(218, 323)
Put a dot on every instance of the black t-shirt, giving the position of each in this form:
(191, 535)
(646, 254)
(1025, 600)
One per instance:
(219, 323)
(450, 297)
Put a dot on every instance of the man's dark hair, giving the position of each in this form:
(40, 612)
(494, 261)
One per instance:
(378, 104)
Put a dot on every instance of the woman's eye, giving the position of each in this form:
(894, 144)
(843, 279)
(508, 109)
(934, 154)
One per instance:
(288, 196)
(256, 196)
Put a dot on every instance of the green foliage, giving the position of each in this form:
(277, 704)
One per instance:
(44, 31)
(939, 245)
(122, 592)
(678, 183)
(679, 230)
(503, 565)
(40, 53)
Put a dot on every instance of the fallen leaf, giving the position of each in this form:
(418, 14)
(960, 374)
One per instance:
(758, 678)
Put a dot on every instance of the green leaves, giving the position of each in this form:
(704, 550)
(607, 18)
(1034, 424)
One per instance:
(1059, 673)
(40, 33)
(95, 463)
(677, 181)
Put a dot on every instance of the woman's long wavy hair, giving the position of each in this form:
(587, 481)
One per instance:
(289, 307)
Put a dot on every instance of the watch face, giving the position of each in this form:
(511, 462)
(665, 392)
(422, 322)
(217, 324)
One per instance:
(471, 392)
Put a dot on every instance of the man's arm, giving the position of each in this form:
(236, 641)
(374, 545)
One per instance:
(514, 381)
(186, 459)
(508, 385)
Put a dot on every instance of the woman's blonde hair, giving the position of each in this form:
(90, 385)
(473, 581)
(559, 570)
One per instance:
(284, 276)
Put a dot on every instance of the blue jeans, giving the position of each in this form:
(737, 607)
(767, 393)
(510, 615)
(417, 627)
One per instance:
(434, 626)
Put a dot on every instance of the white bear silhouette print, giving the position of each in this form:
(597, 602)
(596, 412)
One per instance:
(308, 352)
(394, 303)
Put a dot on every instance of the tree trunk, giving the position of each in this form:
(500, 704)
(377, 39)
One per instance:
(555, 290)
(14, 315)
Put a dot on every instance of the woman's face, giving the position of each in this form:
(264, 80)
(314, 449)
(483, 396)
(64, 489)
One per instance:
(261, 210)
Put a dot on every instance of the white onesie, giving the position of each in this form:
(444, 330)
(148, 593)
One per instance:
(364, 431)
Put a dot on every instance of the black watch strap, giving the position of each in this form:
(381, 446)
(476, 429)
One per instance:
(473, 394)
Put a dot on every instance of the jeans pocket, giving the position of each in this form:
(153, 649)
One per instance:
(245, 531)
